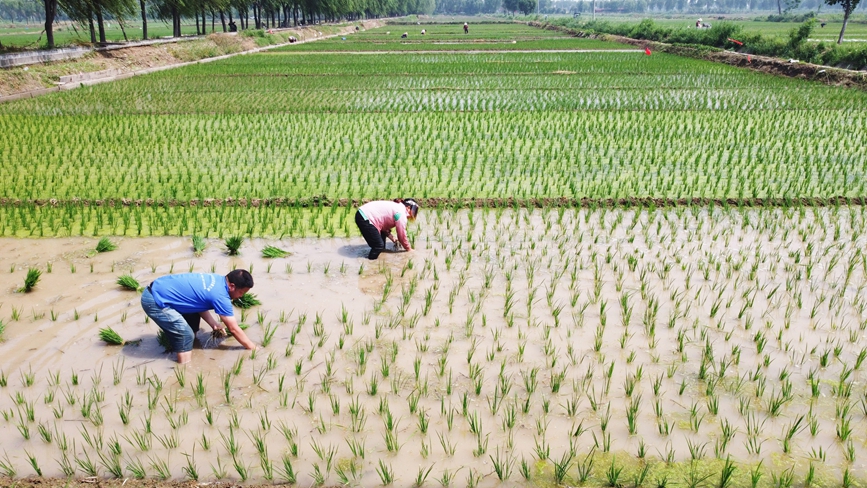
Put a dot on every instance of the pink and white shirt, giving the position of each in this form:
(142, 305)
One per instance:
(386, 215)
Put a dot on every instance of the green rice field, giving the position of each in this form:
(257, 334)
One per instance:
(581, 120)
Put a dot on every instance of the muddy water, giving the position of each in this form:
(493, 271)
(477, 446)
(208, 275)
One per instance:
(632, 335)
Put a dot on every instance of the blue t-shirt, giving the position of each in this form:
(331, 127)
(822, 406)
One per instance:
(193, 293)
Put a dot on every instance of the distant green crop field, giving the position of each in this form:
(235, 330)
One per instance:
(856, 30)
(32, 35)
(451, 37)
(298, 126)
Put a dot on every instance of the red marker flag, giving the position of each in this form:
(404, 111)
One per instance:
(749, 58)
(647, 51)
(739, 43)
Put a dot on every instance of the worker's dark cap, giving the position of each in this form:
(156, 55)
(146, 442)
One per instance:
(411, 205)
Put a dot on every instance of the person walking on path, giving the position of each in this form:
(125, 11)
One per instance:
(173, 301)
(376, 219)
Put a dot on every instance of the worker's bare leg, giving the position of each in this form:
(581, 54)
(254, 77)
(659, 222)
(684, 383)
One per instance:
(185, 357)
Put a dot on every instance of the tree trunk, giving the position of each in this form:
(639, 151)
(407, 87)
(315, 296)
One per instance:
(198, 32)
(50, 12)
(92, 29)
(223, 20)
(100, 23)
(176, 22)
(779, 8)
(843, 30)
(144, 20)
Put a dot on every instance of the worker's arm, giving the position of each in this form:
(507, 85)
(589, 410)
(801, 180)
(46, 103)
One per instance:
(209, 319)
(400, 226)
(237, 333)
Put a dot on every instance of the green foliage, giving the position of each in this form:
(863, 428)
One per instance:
(110, 336)
(799, 35)
(410, 113)
(247, 300)
(163, 340)
(199, 245)
(30, 281)
(233, 245)
(128, 282)
(274, 252)
(105, 245)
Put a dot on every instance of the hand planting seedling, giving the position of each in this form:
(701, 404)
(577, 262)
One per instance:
(376, 219)
(174, 299)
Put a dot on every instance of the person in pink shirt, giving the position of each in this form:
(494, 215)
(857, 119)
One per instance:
(376, 219)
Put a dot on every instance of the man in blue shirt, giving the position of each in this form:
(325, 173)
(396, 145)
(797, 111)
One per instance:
(169, 298)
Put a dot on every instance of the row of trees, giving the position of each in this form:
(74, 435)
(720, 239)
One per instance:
(696, 6)
(92, 14)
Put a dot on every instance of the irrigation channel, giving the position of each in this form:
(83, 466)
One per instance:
(683, 346)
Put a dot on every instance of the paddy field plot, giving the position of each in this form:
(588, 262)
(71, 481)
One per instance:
(581, 346)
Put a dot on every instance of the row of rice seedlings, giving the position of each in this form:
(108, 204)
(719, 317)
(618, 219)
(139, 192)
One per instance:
(508, 156)
(702, 374)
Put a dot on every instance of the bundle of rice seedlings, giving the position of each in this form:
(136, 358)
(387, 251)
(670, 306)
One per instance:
(274, 252)
(105, 245)
(128, 282)
(246, 300)
(198, 245)
(30, 281)
(164, 341)
(109, 335)
(233, 244)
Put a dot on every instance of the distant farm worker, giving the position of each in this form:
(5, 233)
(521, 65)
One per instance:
(698, 24)
(173, 302)
(404, 35)
(422, 32)
(376, 219)
(466, 28)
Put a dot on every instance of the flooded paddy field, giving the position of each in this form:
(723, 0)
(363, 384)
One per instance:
(686, 346)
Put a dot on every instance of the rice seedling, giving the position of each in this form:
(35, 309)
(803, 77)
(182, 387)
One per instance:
(110, 336)
(274, 252)
(247, 300)
(385, 472)
(199, 245)
(6, 466)
(105, 245)
(161, 467)
(233, 245)
(129, 283)
(30, 281)
(502, 465)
